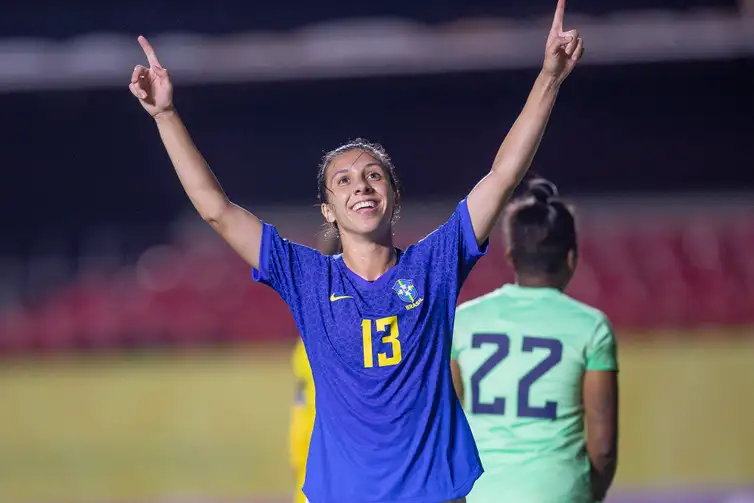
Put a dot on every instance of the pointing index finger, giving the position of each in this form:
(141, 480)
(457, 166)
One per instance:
(557, 21)
(149, 51)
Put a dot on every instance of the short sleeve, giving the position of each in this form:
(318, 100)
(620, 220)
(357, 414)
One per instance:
(453, 244)
(281, 262)
(602, 350)
(471, 251)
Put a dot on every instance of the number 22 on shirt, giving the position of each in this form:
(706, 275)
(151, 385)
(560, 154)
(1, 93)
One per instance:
(388, 326)
(529, 344)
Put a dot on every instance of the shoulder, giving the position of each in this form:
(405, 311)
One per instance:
(582, 310)
(591, 323)
(479, 304)
(459, 214)
(472, 312)
(310, 261)
(279, 255)
(271, 236)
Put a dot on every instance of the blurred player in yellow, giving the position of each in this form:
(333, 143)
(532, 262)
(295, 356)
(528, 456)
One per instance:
(302, 412)
(302, 417)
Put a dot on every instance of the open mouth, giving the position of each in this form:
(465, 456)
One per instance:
(364, 206)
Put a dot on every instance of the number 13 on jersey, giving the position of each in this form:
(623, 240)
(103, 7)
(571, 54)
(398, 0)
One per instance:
(388, 326)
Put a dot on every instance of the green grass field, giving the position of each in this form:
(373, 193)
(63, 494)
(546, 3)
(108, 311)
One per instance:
(160, 427)
(214, 424)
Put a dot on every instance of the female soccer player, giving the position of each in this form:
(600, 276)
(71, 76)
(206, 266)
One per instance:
(376, 321)
(531, 364)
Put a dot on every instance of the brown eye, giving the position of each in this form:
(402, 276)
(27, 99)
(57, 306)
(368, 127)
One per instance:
(342, 180)
(374, 176)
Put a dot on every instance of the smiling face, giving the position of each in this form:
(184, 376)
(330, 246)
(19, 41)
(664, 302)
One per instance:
(360, 196)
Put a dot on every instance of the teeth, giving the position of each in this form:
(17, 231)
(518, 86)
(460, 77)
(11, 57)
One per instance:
(364, 204)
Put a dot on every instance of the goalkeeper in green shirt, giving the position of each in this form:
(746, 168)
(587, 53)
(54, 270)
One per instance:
(537, 370)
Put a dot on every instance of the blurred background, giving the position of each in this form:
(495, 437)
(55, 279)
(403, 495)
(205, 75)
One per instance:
(138, 361)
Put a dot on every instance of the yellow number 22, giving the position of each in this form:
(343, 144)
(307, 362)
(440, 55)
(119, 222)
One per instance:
(389, 325)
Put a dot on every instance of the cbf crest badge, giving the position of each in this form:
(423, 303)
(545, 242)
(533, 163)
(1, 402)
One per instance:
(407, 292)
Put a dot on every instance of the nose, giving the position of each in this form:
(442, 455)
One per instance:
(362, 187)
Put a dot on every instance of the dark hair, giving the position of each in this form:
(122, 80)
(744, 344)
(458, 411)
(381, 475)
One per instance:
(540, 230)
(374, 149)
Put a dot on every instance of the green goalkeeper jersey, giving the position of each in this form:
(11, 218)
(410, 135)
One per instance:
(523, 352)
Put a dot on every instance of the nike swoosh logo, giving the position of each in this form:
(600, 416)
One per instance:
(333, 297)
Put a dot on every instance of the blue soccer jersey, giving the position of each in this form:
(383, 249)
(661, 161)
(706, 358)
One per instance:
(388, 425)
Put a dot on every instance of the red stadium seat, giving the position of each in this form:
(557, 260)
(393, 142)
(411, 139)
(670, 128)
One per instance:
(644, 273)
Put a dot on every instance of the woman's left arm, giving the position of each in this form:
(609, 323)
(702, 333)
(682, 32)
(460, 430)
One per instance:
(488, 198)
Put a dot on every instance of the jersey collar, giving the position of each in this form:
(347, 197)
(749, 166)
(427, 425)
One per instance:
(529, 291)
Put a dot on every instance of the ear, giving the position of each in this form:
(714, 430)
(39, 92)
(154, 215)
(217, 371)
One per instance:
(509, 255)
(572, 260)
(327, 212)
(397, 198)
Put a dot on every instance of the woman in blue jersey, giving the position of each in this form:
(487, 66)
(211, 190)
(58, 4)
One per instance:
(537, 370)
(376, 320)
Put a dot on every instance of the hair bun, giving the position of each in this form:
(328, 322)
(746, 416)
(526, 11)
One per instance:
(542, 190)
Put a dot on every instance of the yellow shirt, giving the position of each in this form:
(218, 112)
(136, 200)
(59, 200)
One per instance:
(302, 417)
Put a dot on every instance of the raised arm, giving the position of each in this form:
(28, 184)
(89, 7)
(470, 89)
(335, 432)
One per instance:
(488, 198)
(241, 229)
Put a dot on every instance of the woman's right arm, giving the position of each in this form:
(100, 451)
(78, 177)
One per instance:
(239, 228)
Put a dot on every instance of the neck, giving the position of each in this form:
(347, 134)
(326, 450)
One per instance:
(367, 258)
(541, 281)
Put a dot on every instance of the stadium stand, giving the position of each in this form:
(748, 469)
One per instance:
(647, 274)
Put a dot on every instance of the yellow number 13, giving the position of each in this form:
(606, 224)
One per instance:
(389, 325)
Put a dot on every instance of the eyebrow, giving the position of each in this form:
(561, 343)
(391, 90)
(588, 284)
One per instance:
(368, 165)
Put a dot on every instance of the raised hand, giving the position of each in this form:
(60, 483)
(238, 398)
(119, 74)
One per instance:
(564, 48)
(152, 85)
